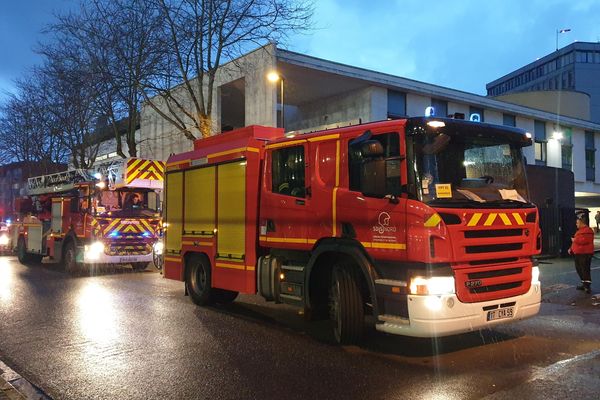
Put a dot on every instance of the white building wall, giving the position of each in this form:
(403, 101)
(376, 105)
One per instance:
(416, 104)
(458, 108)
(493, 117)
(350, 106)
(379, 106)
(578, 141)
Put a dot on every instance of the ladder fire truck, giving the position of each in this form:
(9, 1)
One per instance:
(80, 218)
(424, 223)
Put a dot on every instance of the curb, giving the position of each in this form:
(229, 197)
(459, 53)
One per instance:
(14, 387)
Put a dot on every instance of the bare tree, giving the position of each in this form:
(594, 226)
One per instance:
(71, 100)
(202, 35)
(27, 130)
(121, 41)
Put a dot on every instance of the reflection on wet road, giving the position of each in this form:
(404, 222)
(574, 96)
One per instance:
(119, 334)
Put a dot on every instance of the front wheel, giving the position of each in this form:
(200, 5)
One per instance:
(197, 280)
(69, 259)
(222, 296)
(346, 306)
(140, 266)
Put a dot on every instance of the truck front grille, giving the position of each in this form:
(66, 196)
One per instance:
(491, 282)
(492, 248)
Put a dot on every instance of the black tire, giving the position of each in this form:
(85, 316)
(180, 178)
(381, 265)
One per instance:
(35, 258)
(198, 280)
(22, 255)
(158, 261)
(346, 309)
(140, 266)
(69, 258)
(222, 296)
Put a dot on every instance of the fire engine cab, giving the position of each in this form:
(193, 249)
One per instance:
(424, 223)
(81, 218)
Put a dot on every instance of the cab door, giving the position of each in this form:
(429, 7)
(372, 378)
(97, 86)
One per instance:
(371, 207)
(286, 197)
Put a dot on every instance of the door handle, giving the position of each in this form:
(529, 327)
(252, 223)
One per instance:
(300, 202)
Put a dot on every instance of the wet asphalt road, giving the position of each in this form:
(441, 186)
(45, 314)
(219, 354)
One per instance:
(119, 334)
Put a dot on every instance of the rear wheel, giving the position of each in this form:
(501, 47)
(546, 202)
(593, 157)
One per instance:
(22, 254)
(140, 266)
(346, 306)
(197, 280)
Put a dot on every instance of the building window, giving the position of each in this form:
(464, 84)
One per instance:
(566, 148)
(540, 142)
(440, 106)
(396, 104)
(287, 171)
(476, 110)
(509, 120)
(590, 157)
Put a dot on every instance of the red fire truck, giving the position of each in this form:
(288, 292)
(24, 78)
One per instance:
(424, 223)
(82, 218)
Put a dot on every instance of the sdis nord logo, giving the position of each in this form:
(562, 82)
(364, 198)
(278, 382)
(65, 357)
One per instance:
(384, 224)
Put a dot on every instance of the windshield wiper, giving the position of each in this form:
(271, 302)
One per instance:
(512, 202)
(467, 203)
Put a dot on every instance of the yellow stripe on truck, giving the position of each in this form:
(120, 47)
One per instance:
(518, 219)
(505, 219)
(433, 221)
(475, 219)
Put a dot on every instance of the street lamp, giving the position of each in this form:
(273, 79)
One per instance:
(559, 31)
(275, 77)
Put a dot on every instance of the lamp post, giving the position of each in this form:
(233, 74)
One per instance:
(277, 77)
(559, 31)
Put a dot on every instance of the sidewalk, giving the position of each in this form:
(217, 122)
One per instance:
(15, 387)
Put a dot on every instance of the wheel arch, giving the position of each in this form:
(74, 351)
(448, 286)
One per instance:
(321, 262)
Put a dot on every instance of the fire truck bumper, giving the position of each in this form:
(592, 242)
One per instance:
(121, 259)
(433, 316)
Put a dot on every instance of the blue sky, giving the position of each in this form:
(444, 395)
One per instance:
(461, 44)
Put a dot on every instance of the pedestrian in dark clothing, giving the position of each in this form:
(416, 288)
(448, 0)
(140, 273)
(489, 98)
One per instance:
(597, 218)
(583, 250)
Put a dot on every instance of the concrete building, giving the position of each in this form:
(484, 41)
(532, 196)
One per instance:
(574, 68)
(321, 93)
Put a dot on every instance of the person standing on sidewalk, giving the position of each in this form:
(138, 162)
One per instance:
(583, 250)
(597, 218)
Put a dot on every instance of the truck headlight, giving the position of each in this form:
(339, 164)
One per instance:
(535, 275)
(435, 285)
(94, 250)
(3, 240)
(158, 248)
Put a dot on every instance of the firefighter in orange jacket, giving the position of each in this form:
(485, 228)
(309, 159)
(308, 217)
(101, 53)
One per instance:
(583, 250)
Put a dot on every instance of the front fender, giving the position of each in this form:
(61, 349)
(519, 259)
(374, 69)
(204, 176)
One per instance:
(350, 249)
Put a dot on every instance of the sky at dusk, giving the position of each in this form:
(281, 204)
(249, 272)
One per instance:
(458, 44)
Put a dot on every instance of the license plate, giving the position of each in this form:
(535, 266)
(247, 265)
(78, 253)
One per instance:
(501, 313)
(128, 259)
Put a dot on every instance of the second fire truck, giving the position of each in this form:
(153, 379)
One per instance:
(424, 223)
(82, 218)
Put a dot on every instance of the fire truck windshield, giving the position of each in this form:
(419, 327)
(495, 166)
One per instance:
(128, 202)
(469, 170)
